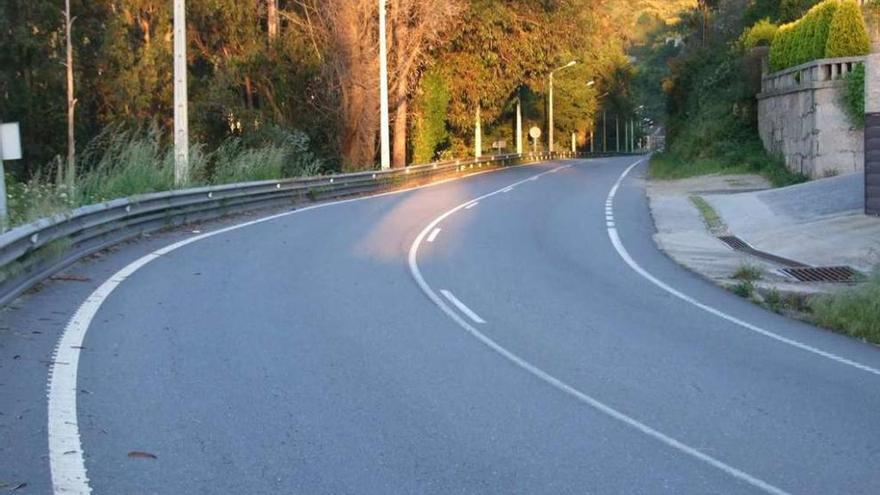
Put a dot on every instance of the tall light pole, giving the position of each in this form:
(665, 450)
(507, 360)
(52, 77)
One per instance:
(478, 135)
(181, 99)
(604, 123)
(384, 133)
(519, 143)
(617, 132)
(550, 109)
(605, 131)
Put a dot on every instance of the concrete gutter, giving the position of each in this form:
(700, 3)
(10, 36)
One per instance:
(818, 223)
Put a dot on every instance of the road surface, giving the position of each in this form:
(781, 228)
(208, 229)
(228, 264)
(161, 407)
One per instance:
(511, 332)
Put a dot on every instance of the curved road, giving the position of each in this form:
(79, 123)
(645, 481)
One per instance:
(512, 332)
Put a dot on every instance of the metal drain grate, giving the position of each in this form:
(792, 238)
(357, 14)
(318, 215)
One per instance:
(740, 245)
(838, 274)
(735, 242)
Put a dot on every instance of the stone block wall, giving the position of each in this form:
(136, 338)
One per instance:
(801, 117)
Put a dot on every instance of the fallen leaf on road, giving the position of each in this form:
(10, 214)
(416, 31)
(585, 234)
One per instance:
(137, 454)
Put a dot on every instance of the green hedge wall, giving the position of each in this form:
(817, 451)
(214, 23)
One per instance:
(832, 28)
(849, 34)
(804, 40)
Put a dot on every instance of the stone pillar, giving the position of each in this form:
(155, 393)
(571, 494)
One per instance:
(872, 132)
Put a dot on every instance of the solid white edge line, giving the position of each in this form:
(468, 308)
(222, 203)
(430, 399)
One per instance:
(462, 307)
(66, 460)
(555, 382)
(468, 207)
(434, 234)
(624, 254)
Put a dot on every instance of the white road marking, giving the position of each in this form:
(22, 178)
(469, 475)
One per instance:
(621, 250)
(507, 190)
(557, 383)
(461, 306)
(468, 207)
(66, 460)
(434, 234)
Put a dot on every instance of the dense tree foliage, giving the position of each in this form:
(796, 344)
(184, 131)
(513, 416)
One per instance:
(259, 66)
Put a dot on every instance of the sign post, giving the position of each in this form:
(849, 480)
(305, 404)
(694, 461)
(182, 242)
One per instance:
(10, 149)
(535, 133)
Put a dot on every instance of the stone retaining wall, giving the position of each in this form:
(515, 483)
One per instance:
(801, 117)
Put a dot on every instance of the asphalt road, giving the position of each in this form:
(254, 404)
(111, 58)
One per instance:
(356, 348)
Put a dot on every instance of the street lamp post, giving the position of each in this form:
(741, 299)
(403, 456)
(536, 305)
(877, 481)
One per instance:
(519, 130)
(550, 109)
(384, 133)
(604, 131)
(181, 98)
(617, 132)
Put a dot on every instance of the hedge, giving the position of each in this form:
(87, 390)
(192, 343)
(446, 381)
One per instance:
(832, 28)
(761, 34)
(849, 35)
(805, 39)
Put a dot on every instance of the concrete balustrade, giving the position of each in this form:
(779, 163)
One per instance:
(810, 75)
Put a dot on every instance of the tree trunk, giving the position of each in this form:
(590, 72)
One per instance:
(357, 73)
(71, 101)
(272, 21)
(400, 130)
(248, 93)
(401, 40)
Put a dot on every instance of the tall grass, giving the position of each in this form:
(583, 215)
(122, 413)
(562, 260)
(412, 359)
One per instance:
(855, 312)
(672, 165)
(123, 163)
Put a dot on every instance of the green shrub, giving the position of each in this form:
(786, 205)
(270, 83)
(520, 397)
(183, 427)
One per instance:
(749, 273)
(774, 302)
(779, 47)
(823, 17)
(761, 34)
(849, 35)
(34, 199)
(744, 289)
(854, 96)
(805, 39)
(429, 134)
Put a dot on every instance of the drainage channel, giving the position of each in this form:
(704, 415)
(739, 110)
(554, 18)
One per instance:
(795, 269)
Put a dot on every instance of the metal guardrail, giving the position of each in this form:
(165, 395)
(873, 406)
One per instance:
(34, 252)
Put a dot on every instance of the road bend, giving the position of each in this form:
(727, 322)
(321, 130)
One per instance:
(512, 332)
